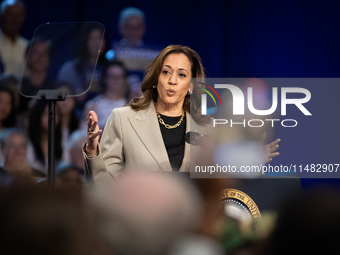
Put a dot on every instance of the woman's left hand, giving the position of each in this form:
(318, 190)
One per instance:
(271, 148)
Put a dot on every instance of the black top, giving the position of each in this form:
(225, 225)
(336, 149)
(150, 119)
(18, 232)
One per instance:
(174, 140)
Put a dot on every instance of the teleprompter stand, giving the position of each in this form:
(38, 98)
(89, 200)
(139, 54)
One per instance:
(52, 96)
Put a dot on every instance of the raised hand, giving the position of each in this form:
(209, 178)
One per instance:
(271, 148)
(93, 133)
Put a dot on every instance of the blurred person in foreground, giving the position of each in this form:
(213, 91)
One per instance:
(12, 44)
(146, 213)
(308, 224)
(149, 133)
(39, 220)
(131, 49)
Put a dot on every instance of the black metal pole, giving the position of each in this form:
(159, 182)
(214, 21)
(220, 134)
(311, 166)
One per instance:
(52, 96)
(51, 143)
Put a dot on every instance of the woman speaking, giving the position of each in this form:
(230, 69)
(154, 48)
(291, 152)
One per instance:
(149, 132)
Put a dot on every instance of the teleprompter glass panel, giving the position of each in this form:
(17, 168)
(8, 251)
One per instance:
(67, 53)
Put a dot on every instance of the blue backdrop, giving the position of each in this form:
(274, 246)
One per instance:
(291, 38)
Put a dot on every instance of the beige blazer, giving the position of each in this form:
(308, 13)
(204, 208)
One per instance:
(133, 140)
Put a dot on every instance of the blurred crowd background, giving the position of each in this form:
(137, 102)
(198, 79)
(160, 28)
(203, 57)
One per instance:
(149, 213)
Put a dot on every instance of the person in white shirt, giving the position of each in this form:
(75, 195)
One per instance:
(12, 44)
(116, 92)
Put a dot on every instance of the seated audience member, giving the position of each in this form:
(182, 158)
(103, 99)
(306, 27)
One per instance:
(131, 49)
(69, 121)
(79, 71)
(14, 149)
(36, 72)
(7, 108)
(77, 140)
(145, 213)
(37, 220)
(70, 178)
(11, 82)
(116, 93)
(12, 45)
(66, 109)
(2, 67)
(71, 174)
(37, 151)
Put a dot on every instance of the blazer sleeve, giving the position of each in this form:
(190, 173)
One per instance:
(110, 161)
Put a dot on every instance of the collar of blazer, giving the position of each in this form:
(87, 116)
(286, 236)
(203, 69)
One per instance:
(145, 123)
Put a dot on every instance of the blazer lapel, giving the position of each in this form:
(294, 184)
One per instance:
(145, 124)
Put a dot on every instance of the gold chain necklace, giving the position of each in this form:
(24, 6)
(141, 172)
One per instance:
(167, 125)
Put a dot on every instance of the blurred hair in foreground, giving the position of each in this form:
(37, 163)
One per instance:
(309, 224)
(38, 220)
(144, 213)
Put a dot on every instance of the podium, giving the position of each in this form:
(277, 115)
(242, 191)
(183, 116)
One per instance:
(252, 196)
(269, 192)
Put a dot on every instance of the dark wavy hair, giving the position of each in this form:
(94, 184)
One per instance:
(109, 64)
(191, 102)
(10, 121)
(74, 122)
(83, 52)
(34, 132)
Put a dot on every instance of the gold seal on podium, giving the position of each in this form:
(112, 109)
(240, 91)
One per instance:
(239, 205)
